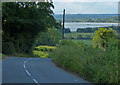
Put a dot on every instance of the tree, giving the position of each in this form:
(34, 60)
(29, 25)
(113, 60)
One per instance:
(67, 30)
(22, 22)
(103, 36)
(51, 38)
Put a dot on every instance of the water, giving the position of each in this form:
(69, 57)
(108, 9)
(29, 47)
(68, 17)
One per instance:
(75, 25)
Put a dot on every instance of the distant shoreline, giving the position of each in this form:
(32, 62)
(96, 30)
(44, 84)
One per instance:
(91, 22)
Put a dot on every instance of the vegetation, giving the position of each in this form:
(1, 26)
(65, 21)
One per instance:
(22, 22)
(67, 30)
(103, 37)
(43, 51)
(88, 61)
(86, 30)
(88, 42)
(92, 30)
(79, 36)
(30, 27)
(2, 56)
(51, 38)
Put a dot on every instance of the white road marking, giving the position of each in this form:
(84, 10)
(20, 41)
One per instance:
(25, 62)
(24, 66)
(28, 71)
(35, 81)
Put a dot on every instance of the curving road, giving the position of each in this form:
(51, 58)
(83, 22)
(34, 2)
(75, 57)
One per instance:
(35, 70)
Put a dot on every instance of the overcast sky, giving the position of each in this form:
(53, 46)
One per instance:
(86, 6)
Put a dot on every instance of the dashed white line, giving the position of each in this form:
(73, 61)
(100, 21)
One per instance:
(24, 66)
(28, 71)
(25, 61)
(35, 81)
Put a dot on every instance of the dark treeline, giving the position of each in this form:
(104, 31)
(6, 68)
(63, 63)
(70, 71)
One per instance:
(91, 30)
(66, 30)
(88, 17)
(22, 22)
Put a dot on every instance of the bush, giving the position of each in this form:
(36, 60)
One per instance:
(94, 64)
(43, 51)
(103, 36)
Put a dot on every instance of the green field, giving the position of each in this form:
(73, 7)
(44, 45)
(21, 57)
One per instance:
(75, 34)
(88, 42)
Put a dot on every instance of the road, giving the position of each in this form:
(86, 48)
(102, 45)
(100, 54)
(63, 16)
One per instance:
(35, 70)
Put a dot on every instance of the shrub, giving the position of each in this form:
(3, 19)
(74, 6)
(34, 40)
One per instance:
(103, 36)
(94, 64)
(43, 51)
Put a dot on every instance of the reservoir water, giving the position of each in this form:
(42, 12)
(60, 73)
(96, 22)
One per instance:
(75, 25)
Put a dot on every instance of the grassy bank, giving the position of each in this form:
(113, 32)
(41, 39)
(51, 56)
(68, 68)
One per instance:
(2, 56)
(94, 64)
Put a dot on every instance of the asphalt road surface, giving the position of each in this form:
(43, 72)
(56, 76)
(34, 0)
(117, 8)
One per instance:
(35, 70)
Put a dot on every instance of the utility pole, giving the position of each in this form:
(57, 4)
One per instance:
(63, 24)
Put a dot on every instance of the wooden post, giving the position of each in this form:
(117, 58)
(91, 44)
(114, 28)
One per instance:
(63, 24)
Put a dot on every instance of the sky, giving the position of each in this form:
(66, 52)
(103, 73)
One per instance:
(86, 6)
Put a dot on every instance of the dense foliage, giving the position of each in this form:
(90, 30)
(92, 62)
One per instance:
(51, 38)
(86, 30)
(94, 64)
(22, 22)
(89, 61)
(43, 51)
(103, 37)
(67, 30)
(92, 30)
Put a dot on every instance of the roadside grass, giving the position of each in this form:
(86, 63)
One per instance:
(39, 51)
(2, 56)
(93, 64)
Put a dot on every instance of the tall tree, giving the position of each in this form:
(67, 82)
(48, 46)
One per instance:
(22, 22)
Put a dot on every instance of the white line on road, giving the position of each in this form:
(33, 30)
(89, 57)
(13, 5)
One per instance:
(25, 61)
(28, 73)
(24, 65)
(35, 81)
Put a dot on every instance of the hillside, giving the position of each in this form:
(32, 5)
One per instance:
(88, 17)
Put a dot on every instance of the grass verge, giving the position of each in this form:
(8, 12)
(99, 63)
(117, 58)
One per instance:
(93, 64)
